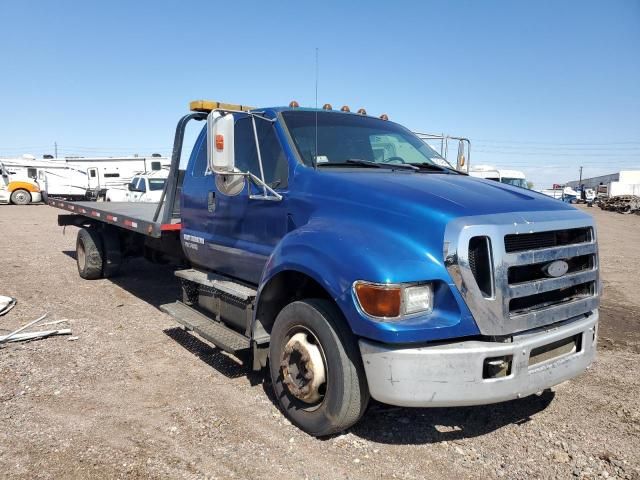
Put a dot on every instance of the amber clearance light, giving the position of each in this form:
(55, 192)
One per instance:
(379, 300)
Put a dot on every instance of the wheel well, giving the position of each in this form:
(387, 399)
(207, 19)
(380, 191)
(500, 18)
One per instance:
(284, 288)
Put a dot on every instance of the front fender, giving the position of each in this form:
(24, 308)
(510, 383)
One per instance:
(22, 185)
(336, 254)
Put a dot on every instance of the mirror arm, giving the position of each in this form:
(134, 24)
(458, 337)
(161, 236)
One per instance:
(275, 196)
(255, 136)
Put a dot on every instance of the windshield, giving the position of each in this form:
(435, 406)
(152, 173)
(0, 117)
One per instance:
(343, 138)
(516, 182)
(156, 184)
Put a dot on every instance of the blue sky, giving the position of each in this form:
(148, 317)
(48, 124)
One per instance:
(541, 86)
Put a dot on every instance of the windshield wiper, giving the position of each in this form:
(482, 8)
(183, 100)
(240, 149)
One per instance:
(369, 164)
(391, 166)
(437, 168)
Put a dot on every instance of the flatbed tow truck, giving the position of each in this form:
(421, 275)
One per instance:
(349, 258)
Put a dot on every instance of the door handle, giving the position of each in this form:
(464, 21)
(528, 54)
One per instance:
(211, 202)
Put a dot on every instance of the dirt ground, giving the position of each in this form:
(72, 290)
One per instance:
(134, 396)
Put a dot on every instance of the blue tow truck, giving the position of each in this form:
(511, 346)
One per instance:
(343, 254)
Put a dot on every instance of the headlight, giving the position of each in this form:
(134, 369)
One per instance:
(393, 301)
(417, 299)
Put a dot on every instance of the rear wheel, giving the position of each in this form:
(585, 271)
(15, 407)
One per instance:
(316, 368)
(20, 197)
(89, 256)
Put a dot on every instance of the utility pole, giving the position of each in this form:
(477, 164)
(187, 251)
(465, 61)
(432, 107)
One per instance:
(55, 146)
(580, 181)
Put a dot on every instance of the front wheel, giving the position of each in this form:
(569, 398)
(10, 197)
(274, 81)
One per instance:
(20, 197)
(316, 368)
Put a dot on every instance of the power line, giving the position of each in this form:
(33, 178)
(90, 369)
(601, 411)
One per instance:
(558, 154)
(523, 142)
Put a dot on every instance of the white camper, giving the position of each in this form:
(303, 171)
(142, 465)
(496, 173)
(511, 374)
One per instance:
(83, 178)
(109, 172)
(54, 177)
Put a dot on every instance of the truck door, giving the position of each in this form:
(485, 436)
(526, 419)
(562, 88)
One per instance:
(233, 234)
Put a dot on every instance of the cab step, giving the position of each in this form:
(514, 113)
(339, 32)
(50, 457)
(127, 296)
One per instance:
(218, 282)
(217, 333)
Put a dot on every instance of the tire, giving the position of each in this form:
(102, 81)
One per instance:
(345, 395)
(89, 254)
(20, 197)
(112, 253)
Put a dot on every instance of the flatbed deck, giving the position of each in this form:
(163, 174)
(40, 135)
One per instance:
(135, 216)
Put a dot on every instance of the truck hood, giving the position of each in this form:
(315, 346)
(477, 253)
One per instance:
(449, 194)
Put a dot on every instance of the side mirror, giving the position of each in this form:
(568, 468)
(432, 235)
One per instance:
(461, 160)
(220, 142)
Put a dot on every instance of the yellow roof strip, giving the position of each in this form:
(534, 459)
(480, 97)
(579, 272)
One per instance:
(208, 105)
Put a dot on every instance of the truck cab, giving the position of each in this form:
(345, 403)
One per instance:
(509, 177)
(18, 187)
(141, 188)
(353, 262)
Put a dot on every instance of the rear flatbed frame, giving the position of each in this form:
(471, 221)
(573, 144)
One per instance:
(137, 217)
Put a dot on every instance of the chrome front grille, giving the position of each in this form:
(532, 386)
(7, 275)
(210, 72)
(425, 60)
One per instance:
(519, 295)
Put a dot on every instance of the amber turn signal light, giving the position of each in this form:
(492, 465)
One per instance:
(379, 300)
(220, 142)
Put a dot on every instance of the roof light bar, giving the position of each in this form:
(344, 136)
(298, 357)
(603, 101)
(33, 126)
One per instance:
(209, 105)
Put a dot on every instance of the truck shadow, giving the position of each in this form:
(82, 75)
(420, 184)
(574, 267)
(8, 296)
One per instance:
(408, 426)
(156, 285)
(150, 282)
(214, 357)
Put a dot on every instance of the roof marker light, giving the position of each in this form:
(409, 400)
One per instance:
(384, 116)
(362, 111)
(293, 104)
(345, 108)
(327, 106)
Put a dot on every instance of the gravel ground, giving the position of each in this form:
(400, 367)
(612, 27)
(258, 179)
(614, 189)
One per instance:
(134, 396)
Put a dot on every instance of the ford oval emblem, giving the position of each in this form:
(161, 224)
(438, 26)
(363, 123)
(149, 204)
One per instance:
(556, 269)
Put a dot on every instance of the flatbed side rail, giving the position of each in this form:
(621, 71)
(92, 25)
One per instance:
(85, 214)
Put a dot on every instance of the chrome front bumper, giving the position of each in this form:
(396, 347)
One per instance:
(452, 374)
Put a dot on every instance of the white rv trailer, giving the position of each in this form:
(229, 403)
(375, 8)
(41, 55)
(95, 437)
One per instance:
(84, 177)
(510, 177)
(54, 177)
(109, 172)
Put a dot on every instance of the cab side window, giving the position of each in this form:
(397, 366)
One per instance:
(200, 166)
(274, 160)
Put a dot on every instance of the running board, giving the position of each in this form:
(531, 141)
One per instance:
(218, 282)
(217, 333)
